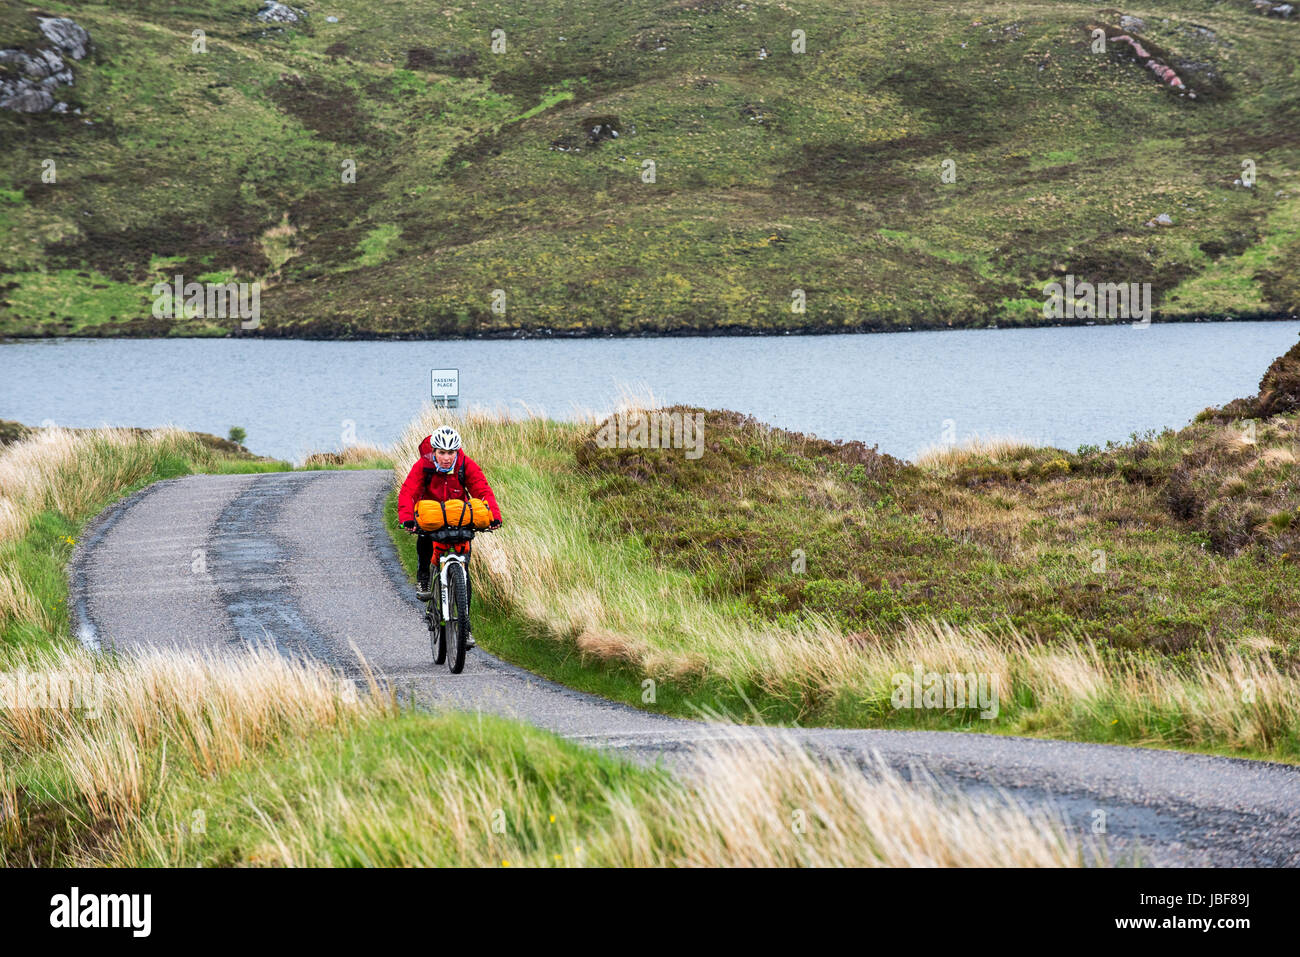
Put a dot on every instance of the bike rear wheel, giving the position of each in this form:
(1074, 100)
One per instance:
(457, 617)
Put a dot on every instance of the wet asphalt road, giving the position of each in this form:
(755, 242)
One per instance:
(302, 561)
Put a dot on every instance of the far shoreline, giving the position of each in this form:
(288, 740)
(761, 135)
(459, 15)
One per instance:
(546, 333)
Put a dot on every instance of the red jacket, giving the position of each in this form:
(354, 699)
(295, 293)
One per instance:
(425, 481)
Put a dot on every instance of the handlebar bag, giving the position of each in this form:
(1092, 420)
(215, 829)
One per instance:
(429, 515)
(432, 515)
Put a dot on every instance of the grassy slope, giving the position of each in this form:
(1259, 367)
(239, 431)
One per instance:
(818, 171)
(1010, 538)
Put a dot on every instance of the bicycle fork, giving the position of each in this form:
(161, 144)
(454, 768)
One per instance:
(443, 565)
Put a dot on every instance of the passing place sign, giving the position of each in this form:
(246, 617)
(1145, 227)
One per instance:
(446, 383)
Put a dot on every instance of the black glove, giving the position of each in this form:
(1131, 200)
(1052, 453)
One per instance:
(409, 525)
(494, 525)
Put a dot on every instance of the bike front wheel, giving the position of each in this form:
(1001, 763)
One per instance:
(457, 617)
(437, 636)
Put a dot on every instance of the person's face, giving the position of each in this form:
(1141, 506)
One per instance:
(444, 458)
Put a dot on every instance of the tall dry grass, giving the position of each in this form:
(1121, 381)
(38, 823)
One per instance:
(112, 730)
(760, 801)
(74, 472)
(10, 827)
(159, 733)
(17, 603)
(978, 448)
(749, 800)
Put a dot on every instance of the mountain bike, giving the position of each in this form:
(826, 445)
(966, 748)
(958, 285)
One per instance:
(447, 611)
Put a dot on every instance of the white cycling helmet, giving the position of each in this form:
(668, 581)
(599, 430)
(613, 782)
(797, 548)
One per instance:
(445, 438)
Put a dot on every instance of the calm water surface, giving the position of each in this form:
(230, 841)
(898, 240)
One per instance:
(1061, 386)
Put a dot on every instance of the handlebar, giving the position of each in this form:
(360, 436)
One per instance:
(417, 530)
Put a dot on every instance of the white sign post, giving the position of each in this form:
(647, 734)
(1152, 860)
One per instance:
(446, 388)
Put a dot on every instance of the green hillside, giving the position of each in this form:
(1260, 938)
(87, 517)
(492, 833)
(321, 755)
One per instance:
(818, 171)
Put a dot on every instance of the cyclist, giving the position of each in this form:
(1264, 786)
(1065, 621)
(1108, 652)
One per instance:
(442, 472)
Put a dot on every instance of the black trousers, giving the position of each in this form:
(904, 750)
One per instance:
(424, 552)
(424, 556)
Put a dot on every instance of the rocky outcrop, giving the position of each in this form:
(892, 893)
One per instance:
(29, 81)
(598, 129)
(1279, 392)
(273, 12)
(1270, 9)
(65, 34)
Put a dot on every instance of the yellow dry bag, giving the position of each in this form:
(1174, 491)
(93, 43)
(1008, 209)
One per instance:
(432, 515)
